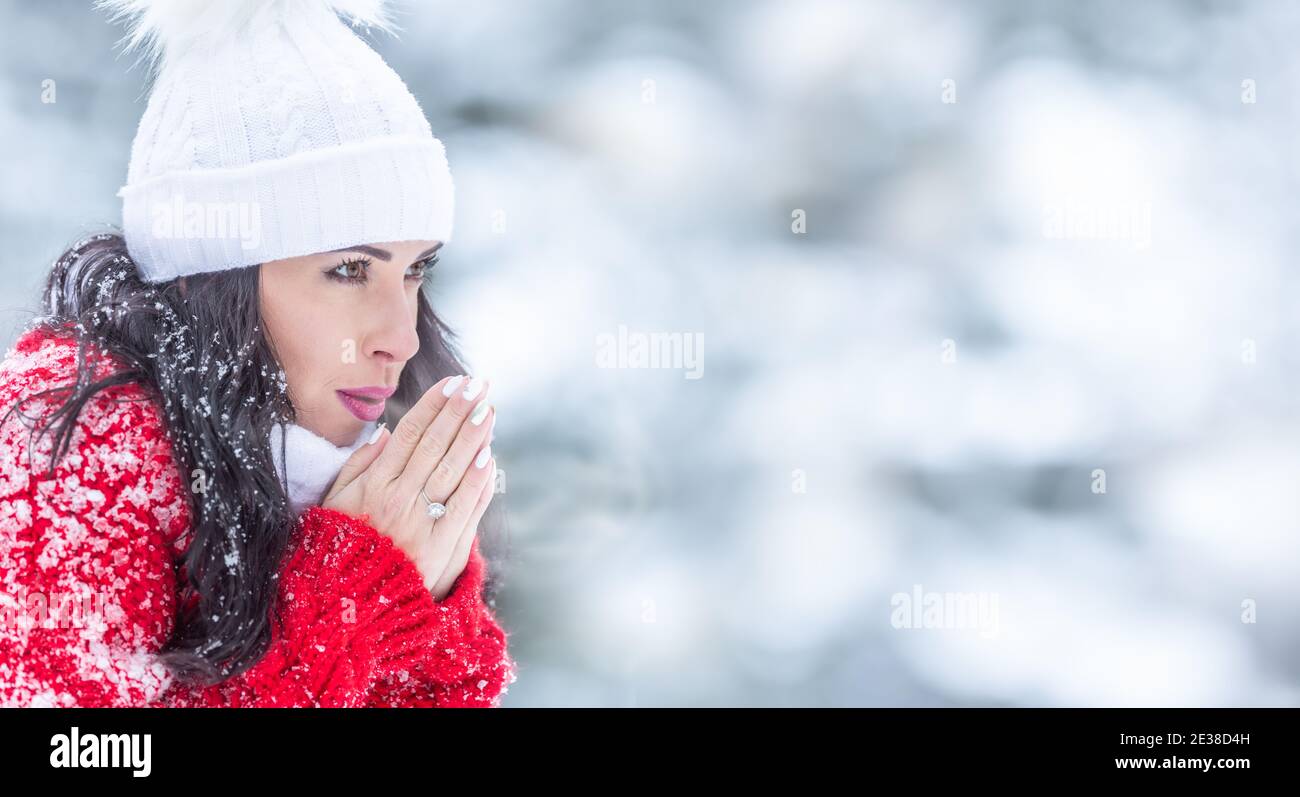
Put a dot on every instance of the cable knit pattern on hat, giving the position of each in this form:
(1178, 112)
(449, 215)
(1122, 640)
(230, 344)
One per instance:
(103, 536)
(275, 134)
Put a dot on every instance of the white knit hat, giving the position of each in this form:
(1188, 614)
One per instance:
(273, 131)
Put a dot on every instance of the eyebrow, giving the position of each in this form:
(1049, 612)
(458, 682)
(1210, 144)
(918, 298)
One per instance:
(384, 254)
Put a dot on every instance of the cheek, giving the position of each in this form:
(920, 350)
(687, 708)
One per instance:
(317, 352)
(301, 333)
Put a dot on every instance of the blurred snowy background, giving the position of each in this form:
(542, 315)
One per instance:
(996, 301)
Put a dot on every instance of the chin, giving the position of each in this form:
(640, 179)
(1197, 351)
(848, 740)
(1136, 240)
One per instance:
(346, 433)
(339, 431)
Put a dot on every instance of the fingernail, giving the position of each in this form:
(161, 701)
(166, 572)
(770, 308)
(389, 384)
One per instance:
(480, 412)
(492, 435)
(473, 388)
(378, 432)
(483, 457)
(450, 387)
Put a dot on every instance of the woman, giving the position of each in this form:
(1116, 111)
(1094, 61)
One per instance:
(198, 504)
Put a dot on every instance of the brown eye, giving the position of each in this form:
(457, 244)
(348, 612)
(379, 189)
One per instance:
(423, 267)
(356, 271)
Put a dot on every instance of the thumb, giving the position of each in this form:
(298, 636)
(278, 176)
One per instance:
(359, 461)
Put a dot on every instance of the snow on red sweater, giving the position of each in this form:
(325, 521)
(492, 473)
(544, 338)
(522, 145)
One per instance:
(88, 586)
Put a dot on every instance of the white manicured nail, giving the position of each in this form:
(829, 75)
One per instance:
(483, 457)
(378, 432)
(473, 388)
(480, 412)
(450, 387)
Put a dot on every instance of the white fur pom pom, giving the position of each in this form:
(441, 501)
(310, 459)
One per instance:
(161, 26)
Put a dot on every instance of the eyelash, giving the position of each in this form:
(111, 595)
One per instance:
(365, 262)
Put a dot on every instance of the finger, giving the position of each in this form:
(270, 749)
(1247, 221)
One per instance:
(431, 451)
(470, 439)
(392, 461)
(465, 545)
(460, 506)
(359, 461)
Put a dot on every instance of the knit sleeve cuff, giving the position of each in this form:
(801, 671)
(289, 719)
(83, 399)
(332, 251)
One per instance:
(345, 575)
(457, 616)
(468, 663)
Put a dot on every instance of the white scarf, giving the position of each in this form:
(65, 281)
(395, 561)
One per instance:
(314, 462)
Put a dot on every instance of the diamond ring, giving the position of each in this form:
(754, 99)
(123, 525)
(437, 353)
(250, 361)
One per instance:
(434, 509)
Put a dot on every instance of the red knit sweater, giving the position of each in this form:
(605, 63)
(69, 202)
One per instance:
(88, 584)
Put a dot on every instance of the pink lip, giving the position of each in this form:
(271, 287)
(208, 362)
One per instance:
(371, 392)
(366, 403)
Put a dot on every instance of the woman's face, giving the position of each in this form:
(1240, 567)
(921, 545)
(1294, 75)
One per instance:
(342, 322)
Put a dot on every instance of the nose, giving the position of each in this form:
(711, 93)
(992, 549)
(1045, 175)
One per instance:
(392, 338)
